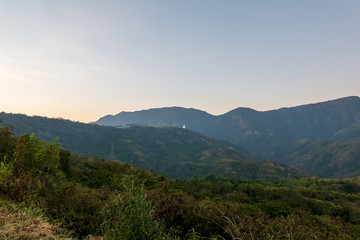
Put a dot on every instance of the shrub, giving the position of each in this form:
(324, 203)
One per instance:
(129, 216)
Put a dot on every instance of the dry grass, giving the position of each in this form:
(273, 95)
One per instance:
(16, 224)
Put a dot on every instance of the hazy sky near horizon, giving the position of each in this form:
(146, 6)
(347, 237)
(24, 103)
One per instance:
(84, 59)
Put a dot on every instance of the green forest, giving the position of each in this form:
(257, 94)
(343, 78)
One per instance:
(89, 198)
(173, 152)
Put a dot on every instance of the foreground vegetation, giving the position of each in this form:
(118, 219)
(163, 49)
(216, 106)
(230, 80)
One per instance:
(90, 198)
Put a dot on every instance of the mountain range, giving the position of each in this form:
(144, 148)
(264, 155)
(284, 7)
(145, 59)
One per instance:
(276, 134)
(321, 139)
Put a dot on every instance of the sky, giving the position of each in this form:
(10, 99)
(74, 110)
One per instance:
(83, 59)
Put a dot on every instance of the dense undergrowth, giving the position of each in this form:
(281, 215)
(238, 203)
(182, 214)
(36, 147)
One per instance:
(90, 197)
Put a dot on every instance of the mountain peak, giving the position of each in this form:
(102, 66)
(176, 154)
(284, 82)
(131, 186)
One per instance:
(242, 110)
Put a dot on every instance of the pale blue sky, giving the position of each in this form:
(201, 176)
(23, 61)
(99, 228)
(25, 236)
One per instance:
(84, 59)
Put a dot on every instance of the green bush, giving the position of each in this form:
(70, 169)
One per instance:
(129, 216)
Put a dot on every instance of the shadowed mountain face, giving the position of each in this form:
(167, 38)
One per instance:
(174, 152)
(272, 133)
(326, 159)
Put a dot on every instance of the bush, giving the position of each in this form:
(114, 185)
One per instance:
(129, 216)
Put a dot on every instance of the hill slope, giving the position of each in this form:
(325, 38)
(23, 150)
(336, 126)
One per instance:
(327, 159)
(174, 152)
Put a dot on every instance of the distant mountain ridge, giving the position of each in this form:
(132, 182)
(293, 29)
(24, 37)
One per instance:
(275, 134)
(260, 131)
(158, 117)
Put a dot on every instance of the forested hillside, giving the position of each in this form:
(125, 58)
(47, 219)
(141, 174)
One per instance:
(173, 152)
(89, 197)
(327, 159)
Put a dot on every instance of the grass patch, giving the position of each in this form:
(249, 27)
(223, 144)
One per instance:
(18, 222)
